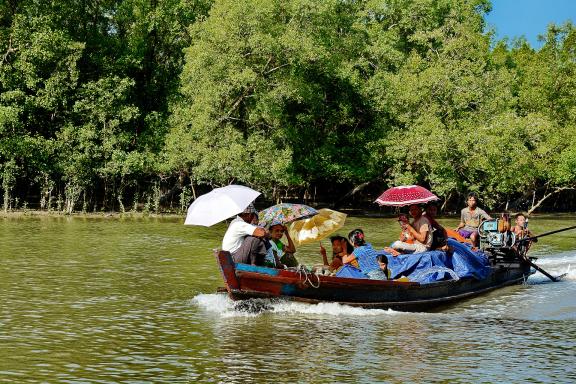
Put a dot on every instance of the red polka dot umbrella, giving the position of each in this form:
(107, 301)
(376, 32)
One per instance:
(406, 195)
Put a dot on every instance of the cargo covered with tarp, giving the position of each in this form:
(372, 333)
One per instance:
(432, 266)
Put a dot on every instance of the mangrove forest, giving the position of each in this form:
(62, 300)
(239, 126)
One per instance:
(141, 105)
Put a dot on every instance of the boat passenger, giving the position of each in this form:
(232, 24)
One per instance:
(439, 234)
(244, 240)
(520, 228)
(470, 219)
(341, 247)
(420, 230)
(405, 234)
(365, 255)
(383, 263)
(521, 231)
(279, 254)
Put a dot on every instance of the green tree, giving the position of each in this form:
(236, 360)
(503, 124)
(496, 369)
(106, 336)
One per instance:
(84, 91)
(38, 75)
(443, 99)
(271, 96)
(547, 86)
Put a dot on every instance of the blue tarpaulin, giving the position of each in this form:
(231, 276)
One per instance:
(350, 272)
(428, 267)
(432, 266)
(467, 263)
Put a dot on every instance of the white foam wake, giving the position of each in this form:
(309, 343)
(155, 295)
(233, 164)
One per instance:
(218, 303)
(332, 309)
(225, 307)
(558, 264)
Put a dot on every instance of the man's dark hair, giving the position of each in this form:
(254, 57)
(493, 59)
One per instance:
(473, 194)
(349, 247)
(519, 214)
(248, 217)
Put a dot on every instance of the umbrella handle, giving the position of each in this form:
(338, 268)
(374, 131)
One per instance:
(323, 254)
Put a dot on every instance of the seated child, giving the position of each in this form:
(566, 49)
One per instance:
(521, 227)
(279, 254)
(521, 231)
(383, 263)
(405, 235)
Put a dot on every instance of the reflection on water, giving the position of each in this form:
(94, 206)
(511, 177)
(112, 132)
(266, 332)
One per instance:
(110, 300)
(333, 342)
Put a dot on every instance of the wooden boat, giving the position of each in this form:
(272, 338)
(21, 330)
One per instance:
(248, 281)
(508, 265)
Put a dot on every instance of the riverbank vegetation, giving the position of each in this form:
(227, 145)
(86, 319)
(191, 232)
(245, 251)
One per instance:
(140, 105)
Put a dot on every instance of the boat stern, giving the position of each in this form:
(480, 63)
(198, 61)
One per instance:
(227, 269)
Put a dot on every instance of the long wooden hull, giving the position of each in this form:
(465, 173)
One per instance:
(246, 281)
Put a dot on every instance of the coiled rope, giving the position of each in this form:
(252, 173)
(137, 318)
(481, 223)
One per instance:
(304, 276)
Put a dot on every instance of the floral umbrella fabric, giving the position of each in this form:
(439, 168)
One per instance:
(404, 195)
(317, 227)
(284, 213)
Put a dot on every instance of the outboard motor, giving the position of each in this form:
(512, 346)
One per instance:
(496, 238)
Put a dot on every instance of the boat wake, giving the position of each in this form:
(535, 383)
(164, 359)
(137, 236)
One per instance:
(559, 264)
(225, 307)
(332, 309)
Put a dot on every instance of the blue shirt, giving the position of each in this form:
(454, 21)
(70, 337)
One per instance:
(278, 247)
(367, 258)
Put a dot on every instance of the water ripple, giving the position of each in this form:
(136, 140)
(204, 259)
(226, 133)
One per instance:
(129, 301)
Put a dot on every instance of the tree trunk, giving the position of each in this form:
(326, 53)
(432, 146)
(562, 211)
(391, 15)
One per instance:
(545, 197)
(352, 192)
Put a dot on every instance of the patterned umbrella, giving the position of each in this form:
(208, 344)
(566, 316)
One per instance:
(317, 227)
(406, 195)
(284, 213)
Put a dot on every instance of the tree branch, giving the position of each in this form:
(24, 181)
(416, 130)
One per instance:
(275, 68)
(8, 52)
(546, 196)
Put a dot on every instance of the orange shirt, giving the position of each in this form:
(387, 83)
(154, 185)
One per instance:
(406, 237)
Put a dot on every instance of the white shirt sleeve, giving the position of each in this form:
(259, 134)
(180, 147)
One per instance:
(236, 233)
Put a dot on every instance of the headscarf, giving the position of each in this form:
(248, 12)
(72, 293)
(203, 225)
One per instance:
(250, 209)
(356, 237)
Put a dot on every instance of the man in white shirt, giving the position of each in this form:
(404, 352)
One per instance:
(244, 240)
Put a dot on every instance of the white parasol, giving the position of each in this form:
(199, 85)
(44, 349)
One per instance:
(219, 204)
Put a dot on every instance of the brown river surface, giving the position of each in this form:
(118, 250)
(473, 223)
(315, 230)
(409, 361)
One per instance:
(125, 300)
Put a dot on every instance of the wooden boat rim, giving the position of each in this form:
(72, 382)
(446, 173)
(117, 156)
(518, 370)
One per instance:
(387, 304)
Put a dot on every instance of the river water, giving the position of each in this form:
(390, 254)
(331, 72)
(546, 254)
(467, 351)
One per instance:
(113, 300)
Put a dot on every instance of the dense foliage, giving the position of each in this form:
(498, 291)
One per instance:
(142, 104)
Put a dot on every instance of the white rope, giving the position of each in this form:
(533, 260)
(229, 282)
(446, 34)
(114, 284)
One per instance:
(303, 271)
